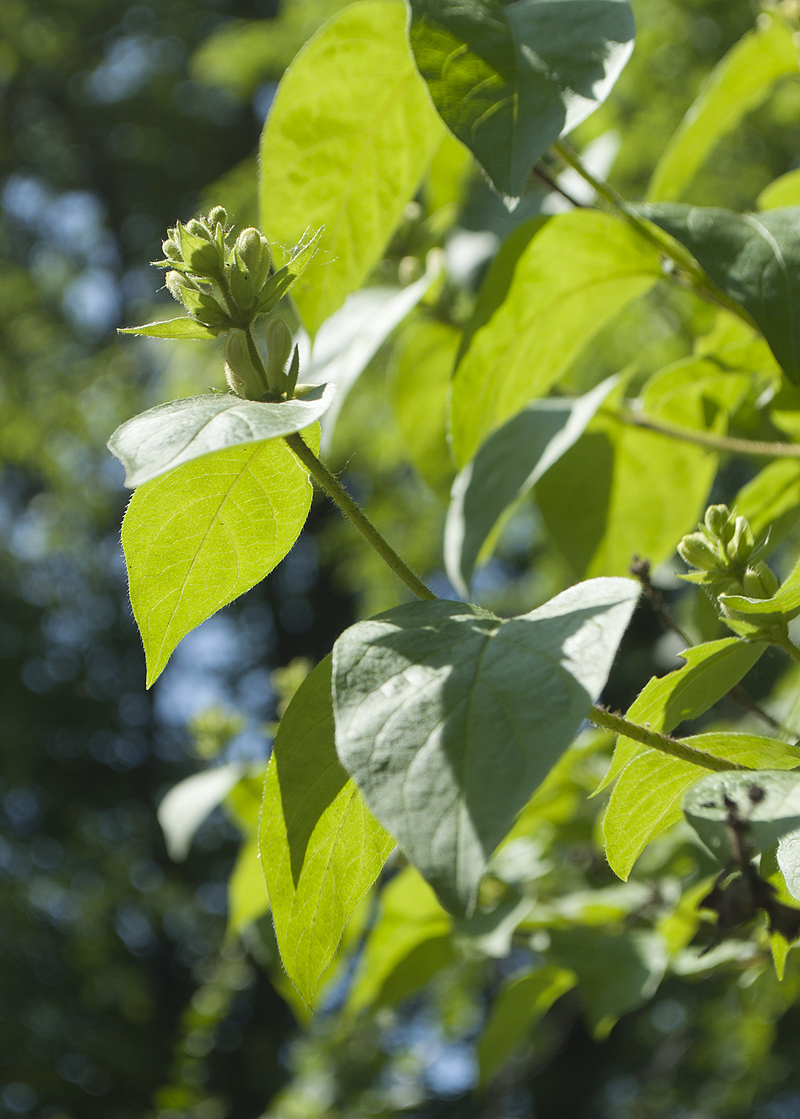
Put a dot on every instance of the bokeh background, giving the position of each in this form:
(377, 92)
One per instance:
(120, 998)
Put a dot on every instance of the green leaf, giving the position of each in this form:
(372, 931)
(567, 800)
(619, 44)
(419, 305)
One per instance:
(576, 273)
(771, 501)
(788, 859)
(173, 328)
(622, 490)
(754, 259)
(187, 804)
(248, 899)
(770, 870)
(616, 973)
(784, 191)
(711, 670)
(321, 850)
(768, 802)
(165, 437)
(347, 141)
(739, 83)
(410, 941)
(510, 80)
(448, 718)
(200, 536)
(420, 387)
(647, 797)
(508, 464)
(521, 1003)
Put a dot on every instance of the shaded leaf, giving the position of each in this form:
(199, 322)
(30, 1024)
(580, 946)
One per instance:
(576, 272)
(285, 278)
(754, 259)
(173, 328)
(739, 83)
(508, 464)
(165, 437)
(347, 141)
(448, 718)
(321, 850)
(510, 80)
(647, 797)
(522, 1001)
(198, 537)
(771, 501)
(769, 803)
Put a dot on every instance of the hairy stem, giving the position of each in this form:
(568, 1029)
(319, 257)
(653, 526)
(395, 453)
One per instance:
(338, 494)
(789, 648)
(672, 746)
(666, 245)
(754, 447)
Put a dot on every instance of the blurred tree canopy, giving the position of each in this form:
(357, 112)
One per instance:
(121, 994)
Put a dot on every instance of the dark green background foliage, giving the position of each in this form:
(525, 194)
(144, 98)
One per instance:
(119, 995)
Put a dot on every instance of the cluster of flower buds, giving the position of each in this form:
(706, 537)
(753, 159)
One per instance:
(725, 554)
(218, 284)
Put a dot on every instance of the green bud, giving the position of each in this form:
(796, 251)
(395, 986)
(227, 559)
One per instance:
(740, 547)
(175, 285)
(218, 216)
(697, 552)
(250, 246)
(759, 581)
(249, 268)
(196, 227)
(242, 375)
(716, 520)
(279, 347)
(171, 250)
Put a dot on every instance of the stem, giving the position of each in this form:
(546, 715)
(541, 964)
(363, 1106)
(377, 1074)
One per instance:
(542, 173)
(666, 245)
(338, 494)
(672, 746)
(789, 648)
(755, 447)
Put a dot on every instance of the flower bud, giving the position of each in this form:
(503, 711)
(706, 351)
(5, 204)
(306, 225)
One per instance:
(279, 347)
(175, 285)
(171, 250)
(242, 375)
(759, 581)
(716, 520)
(742, 542)
(249, 246)
(196, 227)
(697, 552)
(218, 216)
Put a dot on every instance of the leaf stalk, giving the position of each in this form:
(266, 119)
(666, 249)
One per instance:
(601, 717)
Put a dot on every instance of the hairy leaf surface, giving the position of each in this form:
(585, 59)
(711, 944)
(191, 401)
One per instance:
(347, 141)
(510, 80)
(767, 802)
(754, 259)
(200, 536)
(177, 329)
(448, 718)
(165, 437)
(321, 850)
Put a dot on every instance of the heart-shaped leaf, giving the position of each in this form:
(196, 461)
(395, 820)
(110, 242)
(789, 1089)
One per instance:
(508, 464)
(754, 259)
(448, 717)
(508, 80)
(205, 533)
(165, 437)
